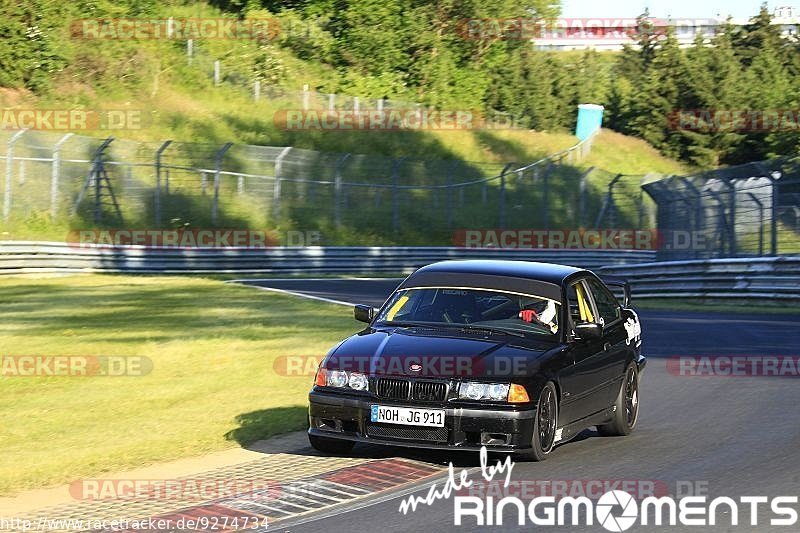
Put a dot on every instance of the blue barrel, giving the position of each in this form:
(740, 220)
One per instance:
(590, 118)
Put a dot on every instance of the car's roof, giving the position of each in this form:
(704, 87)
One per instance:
(547, 272)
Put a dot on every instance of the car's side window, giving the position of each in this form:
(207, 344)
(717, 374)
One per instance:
(607, 305)
(580, 306)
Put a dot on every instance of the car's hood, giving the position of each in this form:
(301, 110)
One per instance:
(439, 354)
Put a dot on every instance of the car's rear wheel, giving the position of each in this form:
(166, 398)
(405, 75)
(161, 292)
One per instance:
(334, 446)
(627, 407)
(544, 424)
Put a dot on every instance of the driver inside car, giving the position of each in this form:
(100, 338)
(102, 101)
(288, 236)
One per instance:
(543, 311)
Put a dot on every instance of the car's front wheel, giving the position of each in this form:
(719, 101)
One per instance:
(334, 446)
(544, 424)
(626, 411)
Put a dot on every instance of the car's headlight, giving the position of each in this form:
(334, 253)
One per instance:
(357, 381)
(470, 390)
(341, 379)
(337, 378)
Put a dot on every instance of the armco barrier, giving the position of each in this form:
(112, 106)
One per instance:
(18, 257)
(772, 278)
(769, 278)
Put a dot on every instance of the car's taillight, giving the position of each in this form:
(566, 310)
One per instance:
(517, 394)
(322, 377)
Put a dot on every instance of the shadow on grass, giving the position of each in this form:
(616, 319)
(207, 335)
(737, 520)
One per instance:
(264, 423)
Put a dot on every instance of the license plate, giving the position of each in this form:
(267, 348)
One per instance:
(407, 416)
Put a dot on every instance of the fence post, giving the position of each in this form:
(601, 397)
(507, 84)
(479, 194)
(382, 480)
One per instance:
(276, 193)
(732, 211)
(582, 197)
(331, 102)
(608, 201)
(157, 197)
(395, 199)
(305, 97)
(216, 72)
(449, 194)
(217, 169)
(337, 191)
(502, 207)
(546, 197)
(355, 105)
(10, 173)
(774, 216)
(257, 90)
(55, 174)
(190, 50)
(760, 222)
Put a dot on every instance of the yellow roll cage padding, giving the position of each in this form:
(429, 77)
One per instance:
(396, 307)
(584, 309)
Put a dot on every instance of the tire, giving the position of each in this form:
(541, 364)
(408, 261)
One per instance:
(332, 446)
(545, 424)
(626, 413)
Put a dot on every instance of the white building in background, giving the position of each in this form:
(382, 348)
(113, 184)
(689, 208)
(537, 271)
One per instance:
(613, 34)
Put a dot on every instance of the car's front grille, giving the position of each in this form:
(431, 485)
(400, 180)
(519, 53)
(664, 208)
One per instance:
(395, 389)
(429, 391)
(404, 389)
(390, 431)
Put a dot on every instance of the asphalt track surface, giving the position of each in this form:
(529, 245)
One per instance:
(725, 436)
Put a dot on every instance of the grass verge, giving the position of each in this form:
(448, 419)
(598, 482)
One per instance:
(212, 384)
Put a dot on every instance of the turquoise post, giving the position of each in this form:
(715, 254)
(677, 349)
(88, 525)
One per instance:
(590, 118)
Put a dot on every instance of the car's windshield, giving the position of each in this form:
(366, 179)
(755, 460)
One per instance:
(472, 307)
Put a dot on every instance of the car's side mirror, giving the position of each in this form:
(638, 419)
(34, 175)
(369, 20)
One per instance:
(364, 313)
(586, 331)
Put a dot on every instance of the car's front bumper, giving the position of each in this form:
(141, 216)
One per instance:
(338, 416)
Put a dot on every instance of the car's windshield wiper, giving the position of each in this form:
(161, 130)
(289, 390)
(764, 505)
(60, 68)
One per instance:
(462, 327)
(403, 324)
(485, 329)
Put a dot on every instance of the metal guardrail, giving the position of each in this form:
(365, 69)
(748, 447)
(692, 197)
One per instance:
(771, 278)
(20, 257)
(767, 278)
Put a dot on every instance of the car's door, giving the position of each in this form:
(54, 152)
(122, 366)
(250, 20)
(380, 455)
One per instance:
(584, 382)
(615, 348)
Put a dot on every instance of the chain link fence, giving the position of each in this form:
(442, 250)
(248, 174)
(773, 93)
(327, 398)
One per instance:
(261, 87)
(741, 211)
(350, 198)
(82, 182)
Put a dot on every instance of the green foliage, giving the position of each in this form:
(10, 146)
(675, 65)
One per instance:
(685, 102)
(450, 54)
(29, 51)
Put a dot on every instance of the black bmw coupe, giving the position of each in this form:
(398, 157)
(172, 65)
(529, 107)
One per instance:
(512, 355)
